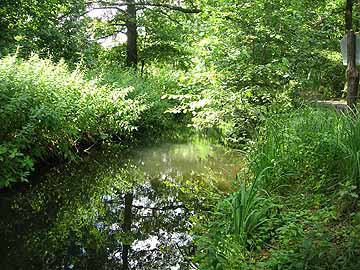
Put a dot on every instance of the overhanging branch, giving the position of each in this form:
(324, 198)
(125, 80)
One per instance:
(118, 5)
(169, 17)
(177, 8)
(112, 34)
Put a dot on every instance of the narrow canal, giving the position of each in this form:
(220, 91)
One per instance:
(134, 210)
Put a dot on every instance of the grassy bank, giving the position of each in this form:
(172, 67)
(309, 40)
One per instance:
(297, 204)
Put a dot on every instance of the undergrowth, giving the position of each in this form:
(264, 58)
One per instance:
(303, 205)
(47, 110)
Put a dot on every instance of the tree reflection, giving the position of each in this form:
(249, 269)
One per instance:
(115, 215)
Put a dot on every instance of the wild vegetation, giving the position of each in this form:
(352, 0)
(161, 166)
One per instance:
(48, 111)
(76, 76)
(297, 203)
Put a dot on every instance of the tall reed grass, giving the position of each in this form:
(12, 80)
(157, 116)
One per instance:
(249, 209)
(313, 148)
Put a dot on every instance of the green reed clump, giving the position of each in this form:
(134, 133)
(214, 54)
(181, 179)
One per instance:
(312, 148)
(249, 209)
(350, 146)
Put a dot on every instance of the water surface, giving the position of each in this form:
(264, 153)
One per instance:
(116, 210)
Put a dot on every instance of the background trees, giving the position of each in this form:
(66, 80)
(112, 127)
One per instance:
(137, 18)
(240, 39)
(269, 44)
(55, 28)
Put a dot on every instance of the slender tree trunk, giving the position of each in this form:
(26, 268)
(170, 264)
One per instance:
(127, 229)
(351, 72)
(131, 25)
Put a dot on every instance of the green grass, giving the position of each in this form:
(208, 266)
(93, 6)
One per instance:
(313, 147)
(308, 217)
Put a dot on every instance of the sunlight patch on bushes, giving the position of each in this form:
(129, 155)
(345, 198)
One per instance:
(47, 110)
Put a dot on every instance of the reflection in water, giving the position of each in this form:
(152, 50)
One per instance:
(112, 212)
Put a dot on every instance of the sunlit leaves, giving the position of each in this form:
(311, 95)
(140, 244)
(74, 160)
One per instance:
(47, 110)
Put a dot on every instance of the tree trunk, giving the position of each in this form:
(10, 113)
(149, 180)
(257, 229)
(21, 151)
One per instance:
(127, 229)
(131, 25)
(351, 72)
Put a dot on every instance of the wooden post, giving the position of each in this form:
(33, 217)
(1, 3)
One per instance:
(351, 72)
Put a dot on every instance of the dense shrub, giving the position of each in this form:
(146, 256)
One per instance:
(46, 109)
(230, 113)
(150, 87)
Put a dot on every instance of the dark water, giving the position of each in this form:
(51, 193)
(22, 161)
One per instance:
(131, 211)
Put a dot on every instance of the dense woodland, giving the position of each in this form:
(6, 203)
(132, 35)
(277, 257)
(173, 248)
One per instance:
(76, 75)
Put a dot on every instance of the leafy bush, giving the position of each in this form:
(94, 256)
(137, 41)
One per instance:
(47, 110)
(15, 166)
(154, 120)
(233, 114)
